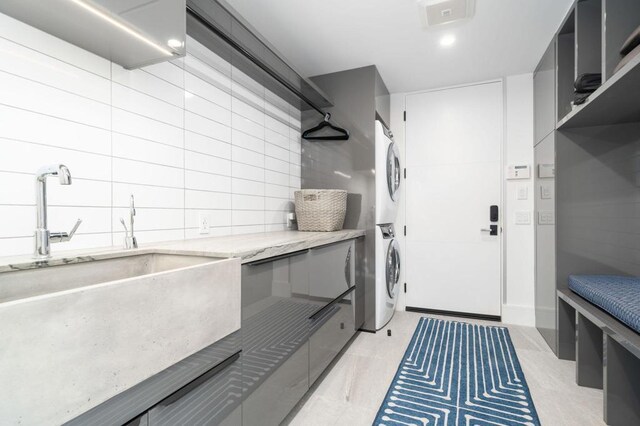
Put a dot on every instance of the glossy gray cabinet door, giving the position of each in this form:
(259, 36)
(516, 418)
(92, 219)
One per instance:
(544, 95)
(275, 334)
(545, 242)
(331, 330)
(332, 289)
(213, 399)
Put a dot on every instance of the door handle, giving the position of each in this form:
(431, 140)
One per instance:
(492, 230)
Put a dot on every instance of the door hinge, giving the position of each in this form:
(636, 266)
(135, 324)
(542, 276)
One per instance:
(405, 116)
(405, 173)
(405, 230)
(405, 287)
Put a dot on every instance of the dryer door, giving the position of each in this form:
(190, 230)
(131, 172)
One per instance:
(393, 170)
(392, 264)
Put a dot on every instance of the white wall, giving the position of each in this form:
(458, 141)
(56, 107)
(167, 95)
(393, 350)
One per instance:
(519, 250)
(188, 137)
(518, 259)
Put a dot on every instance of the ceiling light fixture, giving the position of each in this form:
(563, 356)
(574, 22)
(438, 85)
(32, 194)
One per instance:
(174, 43)
(132, 32)
(447, 40)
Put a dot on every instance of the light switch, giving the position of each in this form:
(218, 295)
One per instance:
(545, 192)
(523, 218)
(546, 218)
(523, 192)
(546, 171)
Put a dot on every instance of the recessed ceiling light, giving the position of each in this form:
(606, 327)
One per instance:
(447, 40)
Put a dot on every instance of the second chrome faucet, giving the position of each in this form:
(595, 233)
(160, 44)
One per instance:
(130, 241)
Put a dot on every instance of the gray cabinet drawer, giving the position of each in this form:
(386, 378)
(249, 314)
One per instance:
(213, 399)
(331, 329)
(331, 270)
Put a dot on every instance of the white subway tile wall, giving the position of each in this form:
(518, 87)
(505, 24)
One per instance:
(190, 138)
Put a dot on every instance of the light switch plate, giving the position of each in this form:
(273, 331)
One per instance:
(545, 192)
(523, 218)
(546, 218)
(546, 171)
(523, 193)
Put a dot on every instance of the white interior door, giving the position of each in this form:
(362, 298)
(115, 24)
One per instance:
(454, 174)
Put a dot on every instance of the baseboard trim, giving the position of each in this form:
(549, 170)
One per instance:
(520, 315)
(454, 314)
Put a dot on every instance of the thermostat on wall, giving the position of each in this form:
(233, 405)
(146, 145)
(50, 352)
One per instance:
(519, 171)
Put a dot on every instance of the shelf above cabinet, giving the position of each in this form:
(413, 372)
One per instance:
(615, 102)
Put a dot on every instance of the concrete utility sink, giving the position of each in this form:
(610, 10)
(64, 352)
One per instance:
(76, 334)
(87, 272)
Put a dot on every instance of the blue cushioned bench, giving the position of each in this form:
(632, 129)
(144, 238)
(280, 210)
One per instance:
(619, 296)
(598, 319)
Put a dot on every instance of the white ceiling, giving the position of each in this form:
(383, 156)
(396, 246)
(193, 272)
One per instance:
(505, 37)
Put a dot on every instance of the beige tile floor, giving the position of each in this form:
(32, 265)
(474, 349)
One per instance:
(352, 391)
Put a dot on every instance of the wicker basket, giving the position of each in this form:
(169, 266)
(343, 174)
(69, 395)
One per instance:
(320, 209)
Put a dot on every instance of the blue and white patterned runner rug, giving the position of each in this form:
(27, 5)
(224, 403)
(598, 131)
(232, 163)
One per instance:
(454, 373)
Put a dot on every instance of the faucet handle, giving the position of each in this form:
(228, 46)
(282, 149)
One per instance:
(60, 237)
(75, 228)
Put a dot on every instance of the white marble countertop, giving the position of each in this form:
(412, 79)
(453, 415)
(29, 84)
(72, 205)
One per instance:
(248, 247)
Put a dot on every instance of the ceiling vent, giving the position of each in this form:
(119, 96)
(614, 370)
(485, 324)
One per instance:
(440, 12)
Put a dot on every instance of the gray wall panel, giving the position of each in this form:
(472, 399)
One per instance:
(545, 237)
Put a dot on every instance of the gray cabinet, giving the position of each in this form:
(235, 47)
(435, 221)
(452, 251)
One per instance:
(544, 95)
(275, 334)
(298, 312)
(331, 286)
(545, 240)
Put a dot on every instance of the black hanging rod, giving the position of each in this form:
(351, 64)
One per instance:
(231, 42)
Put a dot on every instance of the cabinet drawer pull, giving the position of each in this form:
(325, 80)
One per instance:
(347, 268)
(330, 304)
(177, 395)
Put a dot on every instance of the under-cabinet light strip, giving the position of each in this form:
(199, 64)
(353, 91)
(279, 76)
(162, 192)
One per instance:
(102, 15)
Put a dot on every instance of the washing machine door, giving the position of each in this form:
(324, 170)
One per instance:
(393, 170)
(392, 267)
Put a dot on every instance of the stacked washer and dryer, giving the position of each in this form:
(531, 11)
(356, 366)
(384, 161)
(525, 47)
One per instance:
(388, 177)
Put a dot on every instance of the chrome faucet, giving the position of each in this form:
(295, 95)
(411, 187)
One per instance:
(130, 241)
(43, 237)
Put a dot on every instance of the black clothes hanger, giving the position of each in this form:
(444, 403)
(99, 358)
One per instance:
(342, 135)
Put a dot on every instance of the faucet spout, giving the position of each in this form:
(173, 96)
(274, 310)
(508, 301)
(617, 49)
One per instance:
(59, 170)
